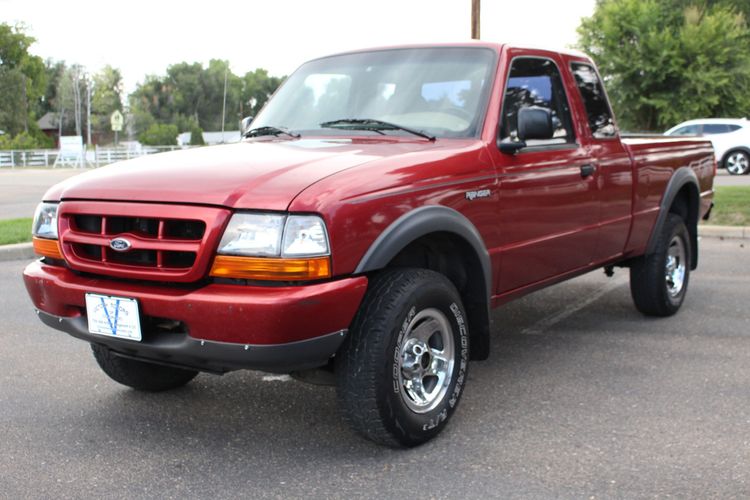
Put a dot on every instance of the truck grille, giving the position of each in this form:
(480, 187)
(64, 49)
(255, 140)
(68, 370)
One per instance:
(156, 242)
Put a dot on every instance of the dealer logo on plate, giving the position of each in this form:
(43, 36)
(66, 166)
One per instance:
(120, 245)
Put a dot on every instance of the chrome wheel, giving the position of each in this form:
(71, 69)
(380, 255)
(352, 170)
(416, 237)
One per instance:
(738, 163)
(675, 267)
(426, 360)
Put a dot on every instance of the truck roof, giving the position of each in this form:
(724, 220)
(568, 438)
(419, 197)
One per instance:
(496, 46)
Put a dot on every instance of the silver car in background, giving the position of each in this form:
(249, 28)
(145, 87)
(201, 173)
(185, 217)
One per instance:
(729, 136)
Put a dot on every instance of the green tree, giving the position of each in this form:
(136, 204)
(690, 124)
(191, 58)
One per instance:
(47, 102)
(106, 99)
(669, 61)
(193, 95)
(257, 88)
(22, 80)
(26, 140)
(196, 136)
(160, 135)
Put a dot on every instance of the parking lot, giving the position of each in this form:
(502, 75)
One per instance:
(582, 397)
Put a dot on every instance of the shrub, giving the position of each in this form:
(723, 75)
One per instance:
(159, 135)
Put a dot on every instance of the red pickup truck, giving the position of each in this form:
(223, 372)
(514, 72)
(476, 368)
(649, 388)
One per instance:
(379, 206)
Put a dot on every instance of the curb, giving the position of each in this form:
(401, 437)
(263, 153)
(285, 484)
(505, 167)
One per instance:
(18, 251)
(724, 232)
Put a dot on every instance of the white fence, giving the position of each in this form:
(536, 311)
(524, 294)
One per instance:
(92, 157)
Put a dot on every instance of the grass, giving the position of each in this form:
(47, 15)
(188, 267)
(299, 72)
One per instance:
(15, 231)
(732, 206)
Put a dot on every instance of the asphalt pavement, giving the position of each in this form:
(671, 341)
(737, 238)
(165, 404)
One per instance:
(582, 398)
(22, 189)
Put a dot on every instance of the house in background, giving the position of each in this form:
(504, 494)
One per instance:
(50, 125)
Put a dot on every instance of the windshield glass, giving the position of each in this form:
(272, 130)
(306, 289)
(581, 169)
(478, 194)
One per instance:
(441, 91)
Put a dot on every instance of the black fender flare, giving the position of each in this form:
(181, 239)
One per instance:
(683, 176)
(420, 222)
(437, 219)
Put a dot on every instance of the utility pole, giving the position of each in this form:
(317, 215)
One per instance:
(75, 77)
(224, 106)
(25, 106)
(475, 19)
(88, 110)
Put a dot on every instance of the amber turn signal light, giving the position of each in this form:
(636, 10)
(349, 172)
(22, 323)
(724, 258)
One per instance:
(271, 269)
(47, 248)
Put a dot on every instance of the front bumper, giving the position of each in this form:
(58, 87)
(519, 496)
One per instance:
(221, 327)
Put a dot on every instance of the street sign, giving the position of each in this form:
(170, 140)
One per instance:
(116, 120)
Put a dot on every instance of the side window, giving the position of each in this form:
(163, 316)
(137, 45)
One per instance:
(597, 108)
(687, 130)
(536, 82)
(734, 128)
(715, 128)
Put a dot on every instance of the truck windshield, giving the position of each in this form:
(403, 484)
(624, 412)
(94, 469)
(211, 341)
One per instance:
(439, 91)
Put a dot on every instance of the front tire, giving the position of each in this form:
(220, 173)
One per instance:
(659, 281)
(403, 366)
(737, 163)
(140, 375)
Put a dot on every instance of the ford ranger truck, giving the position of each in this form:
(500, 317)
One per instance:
(380, 205)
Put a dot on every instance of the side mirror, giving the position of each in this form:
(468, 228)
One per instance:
(535, 123)
(245, 125)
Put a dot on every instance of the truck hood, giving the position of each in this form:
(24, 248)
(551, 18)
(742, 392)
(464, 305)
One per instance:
(254, 174)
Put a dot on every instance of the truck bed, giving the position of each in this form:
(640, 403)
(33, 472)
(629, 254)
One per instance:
(655, 159)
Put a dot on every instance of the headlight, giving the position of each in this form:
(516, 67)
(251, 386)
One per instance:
(305, 235)
(45, 221)
(44, 231)
(273, 247)
(252, 234)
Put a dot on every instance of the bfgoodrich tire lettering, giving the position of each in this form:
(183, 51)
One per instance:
(659, 281)
(411, 321)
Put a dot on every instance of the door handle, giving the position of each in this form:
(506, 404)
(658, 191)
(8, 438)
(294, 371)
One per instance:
(587, 170)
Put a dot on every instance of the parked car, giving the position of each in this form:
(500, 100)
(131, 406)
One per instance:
(382, 203)
(730, 138)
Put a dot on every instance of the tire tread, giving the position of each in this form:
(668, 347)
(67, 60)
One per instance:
(359, 357)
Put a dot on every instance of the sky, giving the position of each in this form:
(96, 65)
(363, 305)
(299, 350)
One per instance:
(144, 37)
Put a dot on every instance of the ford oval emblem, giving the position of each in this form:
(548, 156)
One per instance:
(120, 245)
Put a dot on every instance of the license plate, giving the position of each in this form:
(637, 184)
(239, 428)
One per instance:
(113, 316)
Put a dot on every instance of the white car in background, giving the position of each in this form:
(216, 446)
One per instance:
(730, 137)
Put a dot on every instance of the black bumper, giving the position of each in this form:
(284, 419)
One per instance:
(179, 349)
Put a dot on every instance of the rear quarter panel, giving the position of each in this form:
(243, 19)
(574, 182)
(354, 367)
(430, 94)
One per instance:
(655, 159)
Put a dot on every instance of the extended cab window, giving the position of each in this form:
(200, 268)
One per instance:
(597, 108)
(536, 82)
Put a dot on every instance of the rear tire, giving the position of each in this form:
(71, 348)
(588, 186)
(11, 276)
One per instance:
(140, 375)
(403, 366)
(659, 281)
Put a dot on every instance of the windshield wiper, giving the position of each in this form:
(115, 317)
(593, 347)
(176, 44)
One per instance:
(275, 131)
(374, 125)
